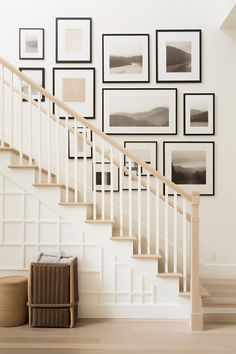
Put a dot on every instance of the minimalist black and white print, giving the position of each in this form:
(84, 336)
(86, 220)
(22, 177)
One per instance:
(178, 55)
(81, 152)
(37, 75)
(139, 111)
(144, 150)
(76, 87)
(190, 165)
(125, 58)
(106, 175)
(73, 40)
(31, 43)
(199, 114)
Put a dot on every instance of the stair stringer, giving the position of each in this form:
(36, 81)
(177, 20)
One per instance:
(167, 304)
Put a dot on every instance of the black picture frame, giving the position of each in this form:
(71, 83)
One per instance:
(71, 150)
(163, 76)
(24, 56)
(198, 174)
(200, 116)
(92, 113)
(88, 58)
(142, 142)
(128, 78)
(42, 83)
(171, 129)
(118, 177)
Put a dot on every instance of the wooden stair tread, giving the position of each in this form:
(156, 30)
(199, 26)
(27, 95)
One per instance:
(146, 256)
(219, 301)
(203, 292)
(99, 221)
(74, 204)
(170, 275)
(31, 166)
(16, 152)
(123, 238)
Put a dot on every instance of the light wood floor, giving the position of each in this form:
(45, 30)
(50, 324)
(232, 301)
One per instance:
(120, 337)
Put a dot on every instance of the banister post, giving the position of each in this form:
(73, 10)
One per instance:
(196, 302)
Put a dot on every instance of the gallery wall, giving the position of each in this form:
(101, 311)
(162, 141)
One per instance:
(218, 71)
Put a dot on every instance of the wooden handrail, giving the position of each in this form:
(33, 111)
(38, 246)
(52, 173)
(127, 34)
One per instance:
(102, 135)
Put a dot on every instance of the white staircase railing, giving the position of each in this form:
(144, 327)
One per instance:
(165, 225)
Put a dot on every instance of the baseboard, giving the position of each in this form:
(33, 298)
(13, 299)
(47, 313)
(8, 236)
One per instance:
(219, 318)
(155, 311)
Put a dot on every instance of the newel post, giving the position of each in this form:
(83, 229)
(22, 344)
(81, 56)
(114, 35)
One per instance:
(196, 302)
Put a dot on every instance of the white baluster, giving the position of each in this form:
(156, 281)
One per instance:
(175, 234)
(30, 123)
(184, 246)
(166, 229)
(85, 162)
(121, 196)
(57, 144)
(76, 137)
(139, 212)
(66, 159)
(157, 217)
(111, 181)
(130, 198)
(49, 141)
(103, 180)
(148, 215)
(40, 137)
(21, 123)
(94, 179)
(2, 106)
(11, 111)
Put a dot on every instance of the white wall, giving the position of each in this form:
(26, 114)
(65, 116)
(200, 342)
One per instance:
(218, 222)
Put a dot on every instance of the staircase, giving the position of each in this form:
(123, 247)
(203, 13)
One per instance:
(154, 233)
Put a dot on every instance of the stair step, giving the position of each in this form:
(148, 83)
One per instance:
(16, 152)
(124, 238)
(31, 166)
(218, 301)
(170, 275)
(52, 185)
(203, 292)
(146, 256)
(105, 221)
(73, 204)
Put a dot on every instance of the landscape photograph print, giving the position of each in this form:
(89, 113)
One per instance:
(191, 165)
(178, 55)
(199, 114)
(125, 58)
(139, 111)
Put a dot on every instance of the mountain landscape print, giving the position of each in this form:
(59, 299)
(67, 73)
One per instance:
(188, 167)
(178, 56)
(198, 118)
(131, 111)
(126, 58)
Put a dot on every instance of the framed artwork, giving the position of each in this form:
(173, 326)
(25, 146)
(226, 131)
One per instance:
(73, 40)
(106, 177)
(37, 75)
(80, 144)
(190, 165)
(178, 55)
(139, 111)
(145, 150)
(125, 58)
(31, 43)
(76, 87)
(199, 114)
